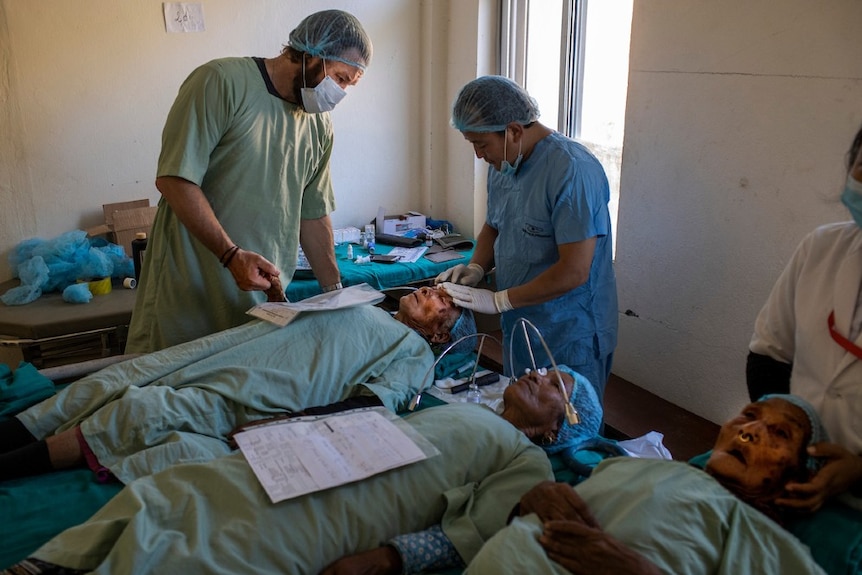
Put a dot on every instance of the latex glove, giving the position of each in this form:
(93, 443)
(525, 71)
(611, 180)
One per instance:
(480, 300)
(468, 275)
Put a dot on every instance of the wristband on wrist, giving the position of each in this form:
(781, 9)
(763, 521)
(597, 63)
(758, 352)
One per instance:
(333, 287)
(230, 254)
(226, 252)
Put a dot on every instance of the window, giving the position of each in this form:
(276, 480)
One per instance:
(572, 56)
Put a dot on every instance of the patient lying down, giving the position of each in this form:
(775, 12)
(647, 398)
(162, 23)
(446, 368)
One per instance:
(636, 516)
(450, 504)
(181, 403)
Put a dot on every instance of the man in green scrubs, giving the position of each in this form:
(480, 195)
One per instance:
(245, 180)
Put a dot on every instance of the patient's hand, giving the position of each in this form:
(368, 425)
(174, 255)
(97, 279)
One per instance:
(584, 550)
(841, 471)
(384, 560)
(550, 501)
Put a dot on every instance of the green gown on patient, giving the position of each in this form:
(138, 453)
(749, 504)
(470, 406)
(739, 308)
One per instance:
(674, 514)
(215, 517)
(179, 404)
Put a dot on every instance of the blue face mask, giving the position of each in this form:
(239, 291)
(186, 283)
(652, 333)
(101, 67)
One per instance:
(506, 168)
(852, 198)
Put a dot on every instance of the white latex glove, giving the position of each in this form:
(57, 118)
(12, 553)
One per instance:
(468, 275)
(480, 300)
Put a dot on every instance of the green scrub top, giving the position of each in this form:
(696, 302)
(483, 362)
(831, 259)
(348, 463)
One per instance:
(263, 165)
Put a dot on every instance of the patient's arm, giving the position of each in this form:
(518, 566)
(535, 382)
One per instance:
(841, 472)
(764, 374)
(383, 560)
(583, 549)
(421, 552)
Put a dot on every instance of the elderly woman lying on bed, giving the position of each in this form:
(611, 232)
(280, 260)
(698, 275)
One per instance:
(179, 404)
(636, 516)
(216, 518)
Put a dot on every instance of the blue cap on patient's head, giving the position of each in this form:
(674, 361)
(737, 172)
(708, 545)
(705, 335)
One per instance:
(465, 325)
(818, 432)
(586, 403)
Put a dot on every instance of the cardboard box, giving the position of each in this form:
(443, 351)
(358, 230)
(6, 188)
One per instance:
(402, 223)
(123, 220)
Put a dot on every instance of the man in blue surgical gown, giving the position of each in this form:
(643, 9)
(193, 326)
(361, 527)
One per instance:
(547, 231)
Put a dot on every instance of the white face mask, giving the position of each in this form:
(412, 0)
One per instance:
(324, 96)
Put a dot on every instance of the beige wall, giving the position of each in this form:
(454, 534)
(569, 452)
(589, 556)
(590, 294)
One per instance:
(738, 118)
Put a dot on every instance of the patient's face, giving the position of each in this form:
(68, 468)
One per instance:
(428, 310)
(534, 403)
(759, 450)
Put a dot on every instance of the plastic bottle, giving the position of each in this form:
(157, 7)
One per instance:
(139, 247)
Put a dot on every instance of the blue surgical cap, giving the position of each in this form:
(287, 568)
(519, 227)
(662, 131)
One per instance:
(465, 325)
(490, 103)
(334, 35)
(586, 403)
(818, 432)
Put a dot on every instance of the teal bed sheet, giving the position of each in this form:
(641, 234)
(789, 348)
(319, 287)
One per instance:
(34, 509)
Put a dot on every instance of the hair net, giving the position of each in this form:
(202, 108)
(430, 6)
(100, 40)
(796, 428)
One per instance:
(586, 403)
(571, 439)
(818, 432)
(490, 103)
(465, 325)
(334, 35)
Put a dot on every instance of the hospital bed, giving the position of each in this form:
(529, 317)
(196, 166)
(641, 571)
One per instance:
(34, 509)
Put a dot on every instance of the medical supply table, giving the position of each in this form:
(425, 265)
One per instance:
(50, 332)
(377, 275)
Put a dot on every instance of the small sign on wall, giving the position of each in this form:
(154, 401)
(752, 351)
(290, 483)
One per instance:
(184, 17)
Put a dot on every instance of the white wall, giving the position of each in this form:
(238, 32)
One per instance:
(739, 115)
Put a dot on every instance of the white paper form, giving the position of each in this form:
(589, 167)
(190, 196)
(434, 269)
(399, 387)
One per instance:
(282, 314)
(293, 457)
(408, 255)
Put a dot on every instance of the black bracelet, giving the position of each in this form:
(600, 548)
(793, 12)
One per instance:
(230, 257)
(226, 252)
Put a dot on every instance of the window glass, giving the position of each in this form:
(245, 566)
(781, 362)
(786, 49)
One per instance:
(575, 60)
